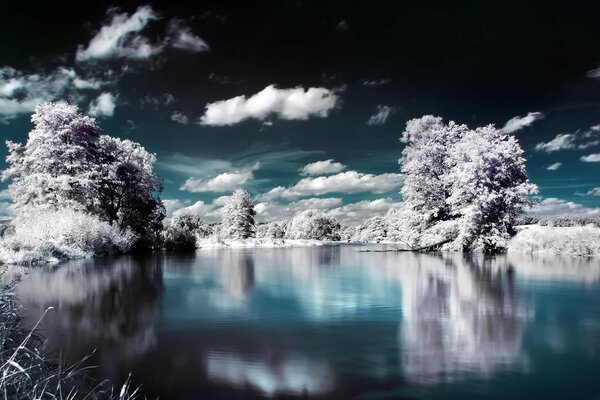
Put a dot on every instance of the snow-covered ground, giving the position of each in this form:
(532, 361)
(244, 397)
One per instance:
(572, 240)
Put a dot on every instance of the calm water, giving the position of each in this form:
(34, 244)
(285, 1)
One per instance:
(329, 322)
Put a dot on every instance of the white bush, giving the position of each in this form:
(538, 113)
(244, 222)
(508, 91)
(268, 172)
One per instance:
(42, 235)
(575, 241)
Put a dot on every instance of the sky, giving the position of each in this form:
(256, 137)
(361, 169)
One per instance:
(302, 103)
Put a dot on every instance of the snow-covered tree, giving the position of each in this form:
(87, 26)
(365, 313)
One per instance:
(313, 224)
(181, 232)
(126, 189)
(460, 184)
(238, 216)
(67, 163)
(57, 165)
(425, 162)
(373, 229)
(489, 188)
(271, 230)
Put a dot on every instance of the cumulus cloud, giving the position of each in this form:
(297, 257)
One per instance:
(556, 206)
(381, 115)
(224, 182)
(322, 168)
(343, 182)
(591, 158)
(554, 167)
(359, 211)
(580, 139)
(562, 141)
(103, 105)
(289, 104)
(181, 37)
(517, 123)
(120, 38)
(330, 206)
(20, 92)
(592, 192)
(180, 118)
(208, 211)
(594, 73)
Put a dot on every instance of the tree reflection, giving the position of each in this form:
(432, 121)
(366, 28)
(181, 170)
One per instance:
(101, 303)
(460, 315)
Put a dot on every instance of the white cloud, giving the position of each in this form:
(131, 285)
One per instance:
(343, 182)
(180, 118)
(103, 105)
(592, 192)
(199, 208)
(224, 182)
(594, 73)
(359, 211)
(348, 182)
(296, 103)
(208, 211)
(562, 141)
(554, 167)
(591, 158)
(381, 115)
(376, 82)
(322, 168)
(580, 139)
(171, 205)
(120, 38)
(21, 92)
(517, 123)
(555, 206)
(331, 206)
(181, 37)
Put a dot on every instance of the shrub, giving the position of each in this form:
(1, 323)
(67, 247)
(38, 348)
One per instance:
(576, 241)
(182, 232)
(42, 235)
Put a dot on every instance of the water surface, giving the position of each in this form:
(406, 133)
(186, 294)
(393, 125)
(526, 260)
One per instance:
(329, 322)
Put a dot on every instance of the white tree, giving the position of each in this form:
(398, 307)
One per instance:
(66, 163)
(271, 230)
(489, 188)
(181, 232)
(313, 224)
(468, 186)
(126, 188)
(373, 229)
(425, 163)
(238, 216)
(57, 165)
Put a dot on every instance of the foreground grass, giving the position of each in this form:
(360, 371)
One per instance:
(27, 372)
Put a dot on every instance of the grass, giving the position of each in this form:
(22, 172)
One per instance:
(27, 372)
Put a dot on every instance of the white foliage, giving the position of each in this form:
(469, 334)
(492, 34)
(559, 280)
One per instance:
(313, 224)
(41, 235)
(238, 216)
(571, 241)
(182, 232)
(460, 184)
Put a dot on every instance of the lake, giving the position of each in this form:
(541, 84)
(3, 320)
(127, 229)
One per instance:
(328, 322)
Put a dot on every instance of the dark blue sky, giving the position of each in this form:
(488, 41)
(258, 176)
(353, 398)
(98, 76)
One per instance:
(160, 64)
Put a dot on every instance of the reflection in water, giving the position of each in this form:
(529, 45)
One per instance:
(106, 302)
(291, 375)
(460, 315)
(300, 321)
